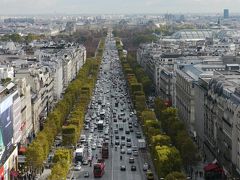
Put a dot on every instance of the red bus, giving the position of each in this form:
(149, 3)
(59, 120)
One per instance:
(98, 169)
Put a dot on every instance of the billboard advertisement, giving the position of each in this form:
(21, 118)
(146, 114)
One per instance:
(2, 173)
(6, 124)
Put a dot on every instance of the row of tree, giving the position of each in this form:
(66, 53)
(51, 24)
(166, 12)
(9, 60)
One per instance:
(176, 130)
(142, 77)
(21, 39)
(66, 118)
(167, 159)
(62, 162)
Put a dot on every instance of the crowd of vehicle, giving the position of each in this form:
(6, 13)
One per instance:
(111, 129)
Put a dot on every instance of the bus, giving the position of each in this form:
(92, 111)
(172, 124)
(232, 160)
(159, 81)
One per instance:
(98, 169)
(79, 154)
(100, 125)
(105, 151)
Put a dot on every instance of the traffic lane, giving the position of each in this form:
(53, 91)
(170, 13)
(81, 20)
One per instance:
(128, 174)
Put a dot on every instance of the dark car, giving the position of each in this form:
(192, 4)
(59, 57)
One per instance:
(131, 160)
(117, 143)
(123, 168)
(138, 135)
(129, 140)
(133, 168)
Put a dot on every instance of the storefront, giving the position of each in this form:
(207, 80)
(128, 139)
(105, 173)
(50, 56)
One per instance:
(10, 165)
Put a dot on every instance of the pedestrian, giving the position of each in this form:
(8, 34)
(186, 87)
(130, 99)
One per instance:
(196, 174)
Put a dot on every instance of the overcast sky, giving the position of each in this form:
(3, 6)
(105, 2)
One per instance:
(116, 6)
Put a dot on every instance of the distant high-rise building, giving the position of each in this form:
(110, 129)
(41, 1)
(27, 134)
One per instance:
(226, 13)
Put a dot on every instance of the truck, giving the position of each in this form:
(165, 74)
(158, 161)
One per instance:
(79, 154)
(141, 143)
(99, 168)
(105, 151)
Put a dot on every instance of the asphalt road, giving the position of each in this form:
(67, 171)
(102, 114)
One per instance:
(111, 88)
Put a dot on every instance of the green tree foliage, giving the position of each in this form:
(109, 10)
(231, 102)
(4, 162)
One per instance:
(175, 176)
(60, 170)
(159, 107)
(148, 115)
(187, 149)
(62, 154)
(35, 155)
(177, 132)
(140, 103)
(69, 135)
(160, 140)
(168, 160)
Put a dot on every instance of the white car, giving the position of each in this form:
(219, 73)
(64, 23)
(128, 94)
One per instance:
(77, 167)
(94, 147)
(129, 151)
(145, 166)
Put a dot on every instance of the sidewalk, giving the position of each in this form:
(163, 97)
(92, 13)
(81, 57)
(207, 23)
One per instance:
(197, 172)
(44, 175)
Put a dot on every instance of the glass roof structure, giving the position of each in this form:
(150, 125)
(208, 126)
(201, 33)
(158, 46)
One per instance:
(192, 34)
(230, 33)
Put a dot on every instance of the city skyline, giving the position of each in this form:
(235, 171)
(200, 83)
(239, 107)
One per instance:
(12, 7)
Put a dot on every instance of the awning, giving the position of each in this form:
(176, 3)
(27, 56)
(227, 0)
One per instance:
(22, 149)
(213, 167)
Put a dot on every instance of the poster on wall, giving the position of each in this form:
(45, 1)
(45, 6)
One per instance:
(2, 173)
(6, 125)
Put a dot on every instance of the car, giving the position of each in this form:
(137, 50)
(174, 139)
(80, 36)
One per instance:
(122, 137)
(131, 160)
(77, 167)
(107, 137)
(129, 144)
(94, 146)
(135, 152)
(85, 162)
(138, 135)
(127, 132)
(116, 137)
(99, 145)
(115, 131)
(86, 174)
(129, 140)
(129, 151)
(117, 142)
(145, 166)
(122, 151)
(123, 168)
(133, 168)
(123, 143)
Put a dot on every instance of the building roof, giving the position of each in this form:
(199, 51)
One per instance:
(193, 34)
